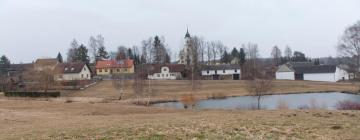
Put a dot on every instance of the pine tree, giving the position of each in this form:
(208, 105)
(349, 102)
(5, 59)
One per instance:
(242, 56)
(4, 60)
(234, 53)
(82, 54)
(60, 58)
(102, 53)
(225, 58)
(130, 54)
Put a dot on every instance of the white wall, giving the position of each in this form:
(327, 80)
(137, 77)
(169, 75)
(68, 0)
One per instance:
(285, 76)
(340, 73)
(221, 72)
(326, 77)
(74, 76)
(165, 75)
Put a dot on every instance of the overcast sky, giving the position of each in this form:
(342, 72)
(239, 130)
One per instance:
(31, 29)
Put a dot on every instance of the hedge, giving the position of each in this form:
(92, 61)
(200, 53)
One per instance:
(32, 94)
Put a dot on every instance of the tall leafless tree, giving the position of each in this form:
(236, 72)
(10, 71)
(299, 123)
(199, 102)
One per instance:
(276, 55)
(93, 47)
(288, 53)
(120, 83)
(349, 44)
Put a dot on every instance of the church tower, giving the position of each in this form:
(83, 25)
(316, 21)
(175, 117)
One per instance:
(185, 52)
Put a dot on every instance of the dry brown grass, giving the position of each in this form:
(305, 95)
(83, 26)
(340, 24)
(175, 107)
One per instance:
(78, 120)
(93, 114)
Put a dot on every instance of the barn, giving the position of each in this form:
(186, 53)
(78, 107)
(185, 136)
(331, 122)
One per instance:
(221, 72)
(309, 71)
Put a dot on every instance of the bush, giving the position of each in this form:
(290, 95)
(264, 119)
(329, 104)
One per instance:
(348, 105)
(32, 94)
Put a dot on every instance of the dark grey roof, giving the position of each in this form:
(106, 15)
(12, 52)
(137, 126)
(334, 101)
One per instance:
(75, 67)
(300, 64)
(315, 69)
(220, 67)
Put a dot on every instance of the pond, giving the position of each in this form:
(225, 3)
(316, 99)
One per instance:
(290, 101)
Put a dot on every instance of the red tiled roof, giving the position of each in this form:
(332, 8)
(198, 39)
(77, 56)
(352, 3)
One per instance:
(128, 63)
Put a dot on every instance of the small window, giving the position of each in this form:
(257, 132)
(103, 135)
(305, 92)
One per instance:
(84, 69)
(158, 75)
(215, 71)
(118, 70)
(125, 70)
(207, 71)
(162, 75)
(87, 75)
(223, 71)
(235, 70)
(100, 70)
(82, 75)
(165, 69)
(106, 70)
(167, 75)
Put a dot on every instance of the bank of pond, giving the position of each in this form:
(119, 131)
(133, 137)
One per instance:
(330, 101)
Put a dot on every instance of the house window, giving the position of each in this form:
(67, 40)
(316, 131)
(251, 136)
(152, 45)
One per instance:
(162, 75)
(215, 71)
(106, 70)
(235, 70)
(82, 75)
(167, 75)
(118, 70)
(84, 69)
(223, 71)
(87, 75)
(158, 75)
(207, 72)
(125, 70)
(100, 70)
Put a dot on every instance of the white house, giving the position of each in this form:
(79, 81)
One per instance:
(167, 72)
(72, 71)
(311, 72)
(217, 72)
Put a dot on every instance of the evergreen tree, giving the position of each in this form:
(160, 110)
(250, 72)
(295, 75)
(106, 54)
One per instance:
(4, 60)
(130, 54)
(299, 57)
(242, 56)
(102, 53)
(235, 53)
(82, 54)
(60, 58)
(225, 58)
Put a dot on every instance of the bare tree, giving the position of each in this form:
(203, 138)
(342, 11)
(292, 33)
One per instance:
(71, 55)
(138, 85)
(288, 53)
(208, 52)
(252, 54)
(43, 78)
(276, 54)
(349, 44)
(258, 88)
(120, 84)
(93, 47)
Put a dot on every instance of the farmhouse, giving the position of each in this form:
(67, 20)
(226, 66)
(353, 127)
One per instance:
(72, 71)
(166, 71)
(110, 67)
(221, 72)
(311, 72)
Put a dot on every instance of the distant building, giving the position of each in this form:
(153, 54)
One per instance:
(46, 64)
(311, 72)
(221, 72)
(72, 71)
(110, 67)
(165, 71)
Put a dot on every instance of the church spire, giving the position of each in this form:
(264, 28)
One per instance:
(187, 35)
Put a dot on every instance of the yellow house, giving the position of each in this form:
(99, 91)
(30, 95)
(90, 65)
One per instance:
(109, 67)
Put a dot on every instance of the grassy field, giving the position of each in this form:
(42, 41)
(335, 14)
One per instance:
(174, 89)
(85, 115)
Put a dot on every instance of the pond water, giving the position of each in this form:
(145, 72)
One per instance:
(290, 101)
